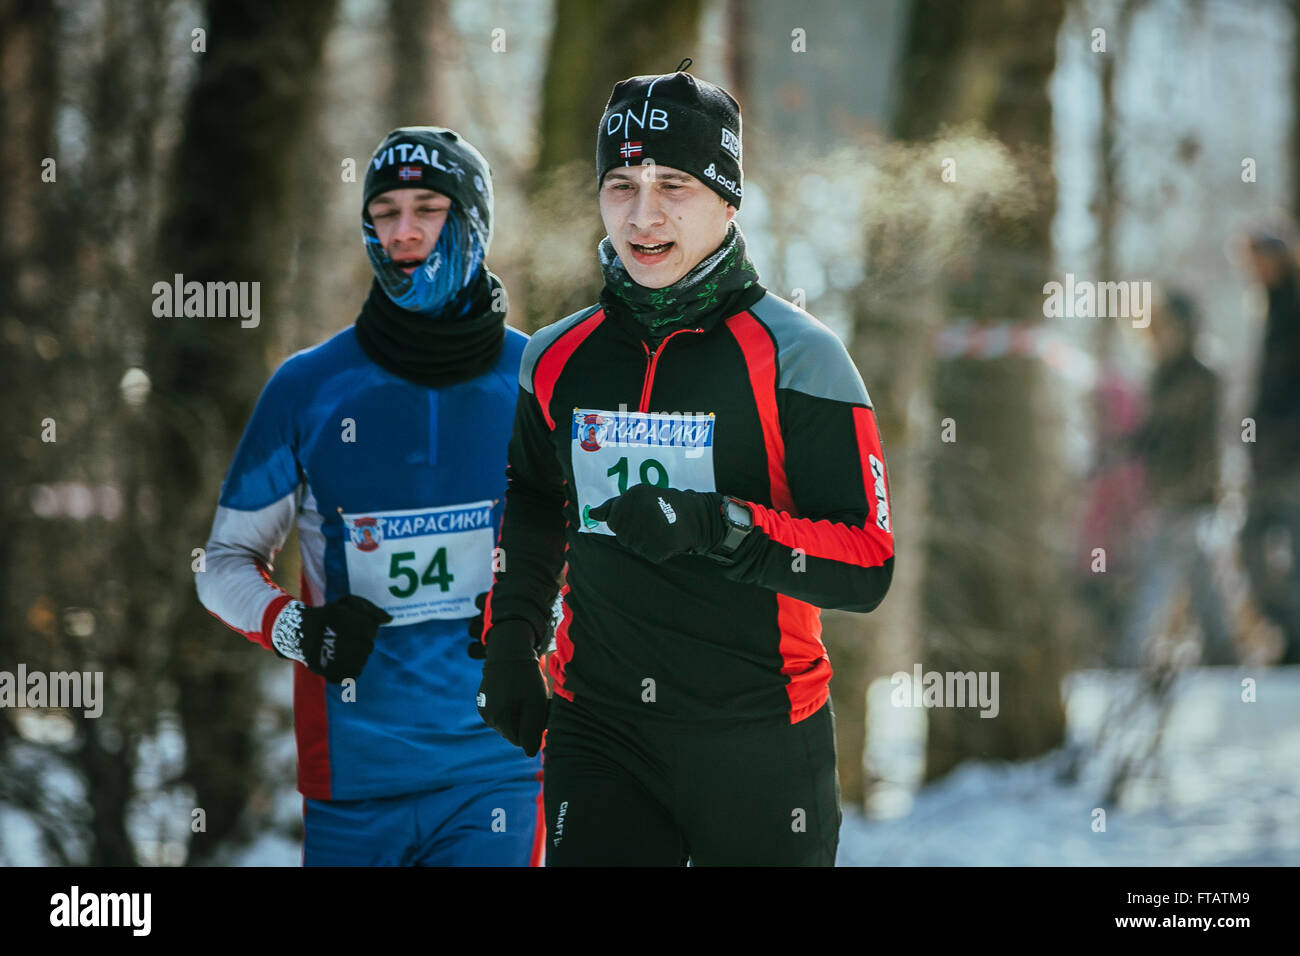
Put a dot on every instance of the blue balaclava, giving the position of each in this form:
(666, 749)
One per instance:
(432, 157)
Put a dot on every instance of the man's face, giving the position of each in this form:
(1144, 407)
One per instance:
(408, 223)
(662, 221)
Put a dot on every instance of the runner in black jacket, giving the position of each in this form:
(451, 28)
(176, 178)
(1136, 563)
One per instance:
(701, 459)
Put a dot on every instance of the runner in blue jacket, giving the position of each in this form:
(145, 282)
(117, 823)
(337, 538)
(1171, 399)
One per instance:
(387, 445)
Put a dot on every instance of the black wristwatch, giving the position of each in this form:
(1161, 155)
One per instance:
(739, 522)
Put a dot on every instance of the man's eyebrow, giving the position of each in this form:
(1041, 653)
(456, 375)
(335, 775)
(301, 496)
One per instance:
(424, 196)
(626, 175)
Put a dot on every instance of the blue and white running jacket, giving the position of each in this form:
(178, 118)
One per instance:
(398, 493)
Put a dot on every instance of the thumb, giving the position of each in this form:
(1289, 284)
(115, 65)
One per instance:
(602, 510)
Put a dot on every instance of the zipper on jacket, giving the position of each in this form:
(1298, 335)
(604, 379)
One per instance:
(651, 360)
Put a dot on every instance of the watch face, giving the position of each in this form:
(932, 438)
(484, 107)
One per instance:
(738, 514)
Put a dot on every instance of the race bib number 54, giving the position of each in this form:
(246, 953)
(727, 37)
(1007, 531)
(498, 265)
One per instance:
(612, 451)
(423, 564)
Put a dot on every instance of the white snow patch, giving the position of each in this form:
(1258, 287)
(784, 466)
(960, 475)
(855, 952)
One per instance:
(1223, 789)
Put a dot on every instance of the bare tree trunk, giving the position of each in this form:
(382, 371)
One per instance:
(992, 582)
(891, 350)
(1295, 114)
(896, 310)
(77, 297)
(413, 26)
(230, 189)
(28, 94)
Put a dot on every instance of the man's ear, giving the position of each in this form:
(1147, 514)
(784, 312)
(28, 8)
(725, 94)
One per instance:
(731, 211)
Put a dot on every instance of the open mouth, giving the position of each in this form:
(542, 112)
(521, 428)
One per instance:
(407, 265)
(650, 253)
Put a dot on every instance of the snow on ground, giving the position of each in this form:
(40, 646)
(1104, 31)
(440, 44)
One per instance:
(1223, 790)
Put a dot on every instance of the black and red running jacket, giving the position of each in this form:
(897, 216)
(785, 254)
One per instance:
(794, 435)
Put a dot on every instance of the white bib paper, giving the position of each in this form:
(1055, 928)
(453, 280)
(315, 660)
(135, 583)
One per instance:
(612, 451)
(422, 564)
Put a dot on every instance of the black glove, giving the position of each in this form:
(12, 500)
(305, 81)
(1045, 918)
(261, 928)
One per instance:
(333, 640)
(512, 695)
(658, 523)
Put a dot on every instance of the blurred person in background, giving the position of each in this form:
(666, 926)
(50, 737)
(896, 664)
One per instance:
(387, 445)
(1178, 448)
(1270, 540)
(1114, 496)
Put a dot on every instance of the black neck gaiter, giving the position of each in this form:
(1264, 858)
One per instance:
(696, 296)
(436, 350)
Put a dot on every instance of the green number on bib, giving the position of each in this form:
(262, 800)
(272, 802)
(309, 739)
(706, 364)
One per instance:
(439, 563)
(661, 481)
(444, 579)
(395, 569)
(620, 469)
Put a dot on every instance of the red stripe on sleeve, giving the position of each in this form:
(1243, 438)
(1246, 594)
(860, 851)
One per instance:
(803, 655)
(553, 359)
(760, 360)
(269, 615)
(563, 645)
(867, 546)
(538, 855)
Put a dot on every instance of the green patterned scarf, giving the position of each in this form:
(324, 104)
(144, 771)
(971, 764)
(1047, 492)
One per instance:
(725, 271)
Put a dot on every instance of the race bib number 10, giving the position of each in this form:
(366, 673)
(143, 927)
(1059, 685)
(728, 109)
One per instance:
(612, 451)
(423, 564)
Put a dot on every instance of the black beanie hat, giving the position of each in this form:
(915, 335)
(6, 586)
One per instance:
(674, 120)
(433, 157)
